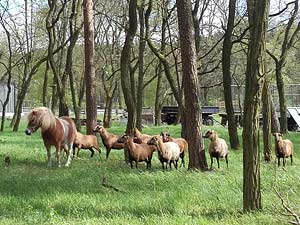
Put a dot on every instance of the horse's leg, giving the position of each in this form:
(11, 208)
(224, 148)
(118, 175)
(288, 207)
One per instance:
(48, 147)
(58, 154)
(74, 150)
(78, 149)
(69, 154)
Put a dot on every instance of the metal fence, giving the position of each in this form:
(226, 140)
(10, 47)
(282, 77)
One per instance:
(292, 95)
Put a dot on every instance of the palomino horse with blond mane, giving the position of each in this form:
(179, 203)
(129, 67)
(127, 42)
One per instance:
(59, 132)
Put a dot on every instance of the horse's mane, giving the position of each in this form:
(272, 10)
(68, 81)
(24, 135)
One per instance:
(42, 116)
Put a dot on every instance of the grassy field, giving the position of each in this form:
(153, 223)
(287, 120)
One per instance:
(30, 193)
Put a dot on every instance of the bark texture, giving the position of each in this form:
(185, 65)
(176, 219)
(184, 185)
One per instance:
(258, 20)
(89, 73)
(226, 61)
(192, 106)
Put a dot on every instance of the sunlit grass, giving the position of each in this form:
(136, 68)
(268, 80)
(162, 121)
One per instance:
(30, 193)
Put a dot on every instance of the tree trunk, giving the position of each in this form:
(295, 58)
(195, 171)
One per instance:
(74, 33)
(159, 71)
(165, 63)
(24, 88)
(192, 107)
(125, 63)
(140, 85)
(8, 72)
(89, 74)
(158, 100)
(196, 23)
(258, 12)
(288, 41)
(108, 110)
(226, 61)
(110, 94)
(54, 100)
(282, 102)
(275, 125)
(119, 96)
(8, 85)
(51, 21)
(266, 112)
(18, 110)
(45, 86)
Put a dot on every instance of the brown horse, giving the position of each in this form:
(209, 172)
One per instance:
(59, 132)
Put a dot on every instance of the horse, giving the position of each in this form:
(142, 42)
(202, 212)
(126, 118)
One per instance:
(60, 132)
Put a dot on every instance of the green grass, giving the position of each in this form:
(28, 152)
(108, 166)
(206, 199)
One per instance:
(30, 193)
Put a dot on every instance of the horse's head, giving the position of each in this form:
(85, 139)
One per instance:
(35, 120)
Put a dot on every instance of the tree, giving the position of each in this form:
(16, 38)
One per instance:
(109, 36)
(26, 40)
(140, 83)
(267, 118)
(89, 73)
(166, 66)
(125, 64)
(75, 27)
(287, 43)
(192, 106)
(226, 63)
(53, 16)
(258, 21)
(159, 96)
(8, 67)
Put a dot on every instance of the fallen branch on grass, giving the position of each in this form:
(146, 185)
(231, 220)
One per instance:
(288, 209)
